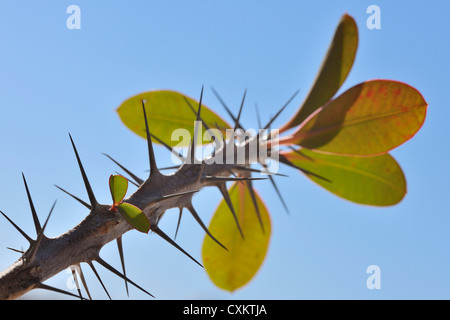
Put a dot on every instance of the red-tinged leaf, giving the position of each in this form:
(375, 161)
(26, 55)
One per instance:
(333, 72)
(118, 185)
(371, 118)
(377, 180)
(134, 216)
(234, 268)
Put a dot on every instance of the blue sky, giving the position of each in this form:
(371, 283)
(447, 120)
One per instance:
(54, 80)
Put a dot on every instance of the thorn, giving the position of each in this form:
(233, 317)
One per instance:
(241, 168)
(76, 283)
(179, 221)
(131, 174)
(87, 185)
(281, 110)
(170, 168)
(190, 155)
(122, 260)
(279, 194)
(76, 198)
(215, 179)
(230, 171)
(47, 287)
(195, 112)
(200, 105)
(37, 225)
(258, 118)
(40, 236)
(151, 154)
(117, 273)
(83, 280)
(225, 106)
(160, 233)
(31, 241)
(130, 181)
(179, 194)
(237, 125)
(298, 151)
(195, 137)
(179, 155)
(284, 160)
(202, 169)
(223, 189)
(255, 203)
(200, 222)
(99, 279)
(15, 250)
(219, 127)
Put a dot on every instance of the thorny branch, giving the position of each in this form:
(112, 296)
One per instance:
(47, 257)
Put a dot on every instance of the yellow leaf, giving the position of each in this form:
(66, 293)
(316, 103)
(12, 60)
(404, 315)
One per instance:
(234, 268)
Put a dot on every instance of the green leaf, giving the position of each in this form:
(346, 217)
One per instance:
(376, 180)
(134, 216)
(234, 268)
(371, 118)
(167, 111)
(333, 72)
(118, 185)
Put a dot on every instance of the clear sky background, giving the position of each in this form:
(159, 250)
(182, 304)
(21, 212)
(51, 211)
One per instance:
(54, 81)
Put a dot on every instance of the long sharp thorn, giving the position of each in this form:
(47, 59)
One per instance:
(117, 273)
(40, 236)
(200, 222)
(279, 194)
(283, 159)
(179, 155)
(241, 168)
(231, 172)
(74, 275)
(202, 169)
(160, 233)
(122, 260)
(178, 223)
(131, 174)
(99, 279)
(225, 106)
(190, 157)
(255, 203)
(76, 198)
(237, 125)
(223, 189)
(37, 224)
(83, 280)
(87, 185)
(299, 151)
(195, 137)
(281, 110)
(47, 287)
(215, 179)
(15, 250)
(200, 105)
(18, 229)
(179, 194)
(170, 168)
(130, 181)
(258, 118)
(151, 153)
(196, 113)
